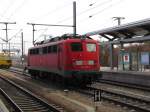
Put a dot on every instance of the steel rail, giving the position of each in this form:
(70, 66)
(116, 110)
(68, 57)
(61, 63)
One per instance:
(124, 99)
(12, 103)
(124, 84)
(26, 100)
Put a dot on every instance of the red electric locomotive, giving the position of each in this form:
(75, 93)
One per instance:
(65, 58)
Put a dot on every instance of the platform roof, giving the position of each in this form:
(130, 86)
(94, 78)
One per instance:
(130, 31)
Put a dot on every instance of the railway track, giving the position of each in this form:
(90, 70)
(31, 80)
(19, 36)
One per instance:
(139, 104)
(18, 71)
(123, 84)
(125, 100)
(23, 100)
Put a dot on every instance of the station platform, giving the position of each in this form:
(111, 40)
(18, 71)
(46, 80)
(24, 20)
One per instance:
(108, 69)
(134, 77)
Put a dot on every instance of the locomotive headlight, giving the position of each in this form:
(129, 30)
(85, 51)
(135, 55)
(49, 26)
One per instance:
(80, 62)
(91, 62)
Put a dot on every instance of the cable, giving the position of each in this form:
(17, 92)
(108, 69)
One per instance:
(103, 24)
(51, 12)
(87, 10)
(9, 6)
(41, 34)
(68, 18)
(101, 4)
(106, 8)
(17, 9)
(15, 35)
(99, 12)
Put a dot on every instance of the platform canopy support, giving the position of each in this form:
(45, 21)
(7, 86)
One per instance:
(138, 31)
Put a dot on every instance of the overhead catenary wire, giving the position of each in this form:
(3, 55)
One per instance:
(87, 10)
(100, 4)
(52, 11)
(106, 8)
(44, 30)
(101, 11)
(15, 34)
(98, 12)
(17, 9)
(104, 24)
(7, 9)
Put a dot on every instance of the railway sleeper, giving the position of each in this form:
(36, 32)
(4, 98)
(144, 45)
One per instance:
(30, 107)
(25, 105)
(35, 110)
(128, 104)
(24, 100)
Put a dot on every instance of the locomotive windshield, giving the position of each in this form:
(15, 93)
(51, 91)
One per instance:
(76, 46)
(91, 47)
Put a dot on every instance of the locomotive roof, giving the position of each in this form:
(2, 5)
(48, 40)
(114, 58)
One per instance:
(60, 38)
(60, 41)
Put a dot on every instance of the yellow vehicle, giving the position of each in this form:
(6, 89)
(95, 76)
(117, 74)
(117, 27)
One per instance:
(5, 61)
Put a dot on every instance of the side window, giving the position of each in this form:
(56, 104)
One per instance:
(44, 50)
(49, 49)
(76, 46)
(54, 47)
(37, 51)
(34, 51)
(40, 51)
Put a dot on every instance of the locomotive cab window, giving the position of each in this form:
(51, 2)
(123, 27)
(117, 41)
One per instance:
(76, 46)
(91, 47)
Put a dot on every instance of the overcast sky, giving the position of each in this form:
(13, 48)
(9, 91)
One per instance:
(89, 17)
